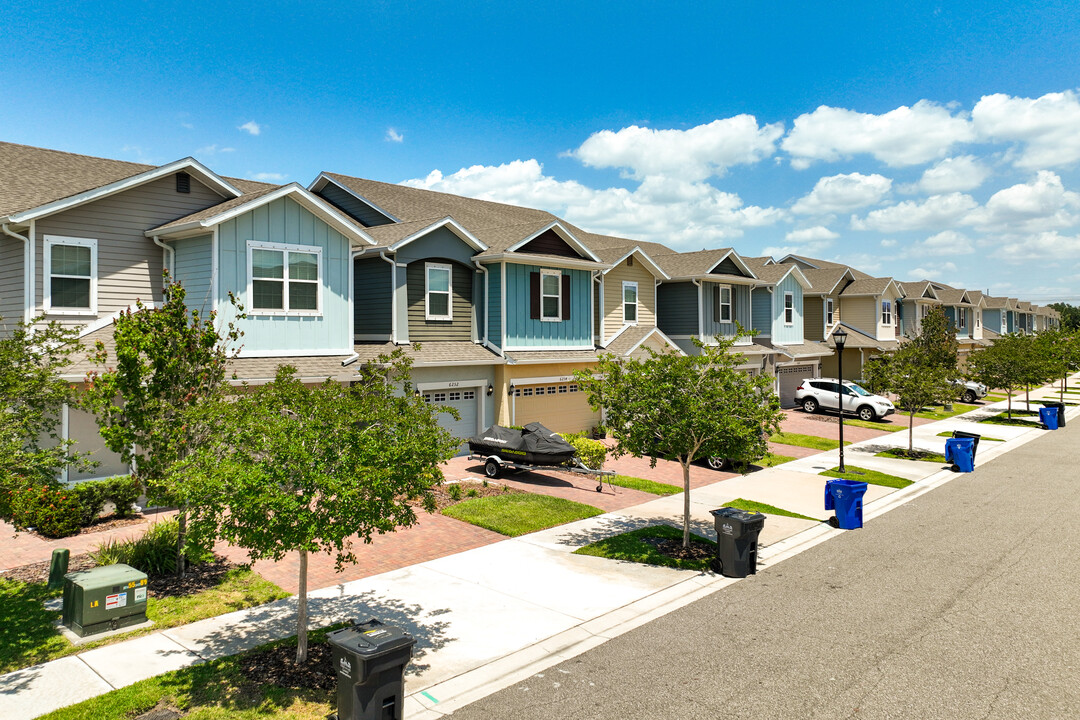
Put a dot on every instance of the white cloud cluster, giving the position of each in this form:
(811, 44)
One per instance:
(934, 213)
(251, 128)
(899, 138)
(1041, 246)
(944, 243)
(1037, 206)
(955, 174)
(843, 193)
(394, 136)
(691, 155)
(817, 233)
(269, 177)
(1048, 127)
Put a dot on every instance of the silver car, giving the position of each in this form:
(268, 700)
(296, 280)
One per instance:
(969, 390)
(817, 393)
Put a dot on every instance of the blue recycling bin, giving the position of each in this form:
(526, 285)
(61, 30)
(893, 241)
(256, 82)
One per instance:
(845, 497)
(961, 453)
(1049, 417)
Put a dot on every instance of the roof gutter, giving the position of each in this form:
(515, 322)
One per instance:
(28, 271)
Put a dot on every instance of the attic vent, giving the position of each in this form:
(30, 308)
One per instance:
(630, 261)
(183, 182)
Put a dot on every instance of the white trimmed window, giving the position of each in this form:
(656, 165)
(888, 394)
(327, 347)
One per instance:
(70, 267)
(789, 308)
(961, 318)
(978, 318)
(886, 312)
(285, 279)
(829, 311)
(551, 295)
(629, 302)
(438, 284)
(925, 310)
(725, 303)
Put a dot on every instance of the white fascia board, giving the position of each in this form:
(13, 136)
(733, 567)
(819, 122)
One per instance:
(561, 232)
(656, 271)
(204, 173)
(615, 337)
(448, 222)
(544, 261)
(323, 180)
(799, 277)
(320, 352)
(738, 261)
(655, 331)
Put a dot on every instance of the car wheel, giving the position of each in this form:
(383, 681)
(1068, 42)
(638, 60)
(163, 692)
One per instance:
(866, 413)
(717, 463)
(492, 468)
(810, 405)
(968, 396)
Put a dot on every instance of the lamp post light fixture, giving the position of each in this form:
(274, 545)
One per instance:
(839, 339)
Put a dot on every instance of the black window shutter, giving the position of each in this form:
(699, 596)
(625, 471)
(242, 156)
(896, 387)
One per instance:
(716, 303)
(732, 291)
(534, 295)
(565, 297)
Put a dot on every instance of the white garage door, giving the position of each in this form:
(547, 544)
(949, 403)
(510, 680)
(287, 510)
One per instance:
(465, 402)
(560, 407)
(790, 377)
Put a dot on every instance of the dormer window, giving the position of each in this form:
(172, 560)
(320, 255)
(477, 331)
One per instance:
(789, 308)
(829, 315)
(886, 312)
(723, 302)
(285, 279)
(630, 303)
(550, 295)
(437, 291)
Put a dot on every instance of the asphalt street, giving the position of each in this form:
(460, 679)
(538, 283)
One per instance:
(964, 603)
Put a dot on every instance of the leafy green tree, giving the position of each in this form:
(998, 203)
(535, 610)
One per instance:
(936, 340)
(306, 469)
(32, 396)
(167, 362)
(1037, 364)
(1001, 365)
(1070, 315)
(916, 380)
(685, 408)
(1061, 351)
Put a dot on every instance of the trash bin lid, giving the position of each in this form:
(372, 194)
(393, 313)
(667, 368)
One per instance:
(731, 513)
(371, 638)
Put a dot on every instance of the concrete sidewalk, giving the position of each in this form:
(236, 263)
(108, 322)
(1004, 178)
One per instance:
(489, 616)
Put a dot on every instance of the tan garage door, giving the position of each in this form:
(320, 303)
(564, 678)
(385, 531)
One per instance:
(561, 407)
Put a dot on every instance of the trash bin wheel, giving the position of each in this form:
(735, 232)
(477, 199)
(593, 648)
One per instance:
(492, 468)
(968, 396)
(834, 522)
(717, 566)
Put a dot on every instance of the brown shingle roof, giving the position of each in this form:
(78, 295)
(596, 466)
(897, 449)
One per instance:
(430, 353)
(769, 272)
(215, 210)
(691, 264)
(867, 286)
(525, 356)
(821, 264)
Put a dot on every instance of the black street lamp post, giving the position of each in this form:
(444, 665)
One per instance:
(839, 338)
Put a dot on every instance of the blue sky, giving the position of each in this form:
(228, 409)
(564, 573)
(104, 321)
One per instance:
(915, 139)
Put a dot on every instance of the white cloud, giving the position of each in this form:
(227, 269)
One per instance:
(843, 193)
(251, 127)
(932, 273)
(214, 150)
(691, 155)
(955, 174)
(675, 212)
(1046, 127)
(1040, 205)
(947, 242)
(393, 135)
(934, 213)
(888, 242)
(269, 177)
(900, 137)
(811, 234)
(187, 126)
(1041, 246)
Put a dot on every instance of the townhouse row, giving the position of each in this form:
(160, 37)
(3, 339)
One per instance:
(497, 305)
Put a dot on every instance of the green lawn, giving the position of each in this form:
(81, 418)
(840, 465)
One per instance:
(520, 513)
(808, 441)
(649, 486)
(753, 506)
(633, 547)
(27, 635)
(902, 454)
(948, 434)
(771, 460)
(1003, 419)
(870, 424)
(937, 412)
(868, 476)
(217, 690)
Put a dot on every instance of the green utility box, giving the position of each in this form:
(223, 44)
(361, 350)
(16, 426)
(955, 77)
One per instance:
(105, 598)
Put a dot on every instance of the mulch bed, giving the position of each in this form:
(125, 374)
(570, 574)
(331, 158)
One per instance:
(444, 499)
(39, 572)
(111, 522)
(674, 548)
(278, 666)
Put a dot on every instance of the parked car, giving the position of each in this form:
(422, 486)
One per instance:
(823, 393)
(969, 390)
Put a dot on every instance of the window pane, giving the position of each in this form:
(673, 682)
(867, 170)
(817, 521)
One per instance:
(438, 280)
(267, 264)
(551, 307)
(303, 296)
(630, 313)
(268, 295)
(438, 303)
(725, 295)
(70, 260)
(551, 284)
(630, 294)
(303, 266)
(70, 293)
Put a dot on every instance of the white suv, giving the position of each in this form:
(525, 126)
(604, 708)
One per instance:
(815, 393)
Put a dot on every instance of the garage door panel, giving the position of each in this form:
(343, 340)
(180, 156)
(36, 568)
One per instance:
(560, 407)
(789, 378)
(465, 401)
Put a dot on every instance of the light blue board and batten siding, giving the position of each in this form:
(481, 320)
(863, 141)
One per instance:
(285, 221)
(782, 333)
(524, 332)
(193, 266)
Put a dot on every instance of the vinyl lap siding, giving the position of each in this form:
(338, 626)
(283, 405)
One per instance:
(613, 301)
(194, 266)
(420, 328)
(861, 313)
(129, 264)
(12, 293)
(813, 318)
(372, 299)
(677, 308)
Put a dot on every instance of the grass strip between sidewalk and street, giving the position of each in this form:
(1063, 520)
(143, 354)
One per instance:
(636, 483)
(807, 441)
(1003, 419)
(519, 513)
(771, 460)
(939, 412)
(216, 690)
(948, 434)
(634, 546)
(904, 454)
(754, 506)
(883, 426)
(868, 476)
(28, 635)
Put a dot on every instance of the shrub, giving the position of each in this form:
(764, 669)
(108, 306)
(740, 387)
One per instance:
(51, 510)
(154, 553)
(454, 491)
(122, 490)
(592, 453)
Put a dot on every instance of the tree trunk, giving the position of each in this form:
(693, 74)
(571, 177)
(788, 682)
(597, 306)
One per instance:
(1009, 393)
(686, 503)
(911, 433)
(301, 612)
(1027, 396)
(181, 536)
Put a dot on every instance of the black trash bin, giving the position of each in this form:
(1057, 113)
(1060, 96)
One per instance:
(973, 436)
(369, 661)
(736, 541)
(1060, 408)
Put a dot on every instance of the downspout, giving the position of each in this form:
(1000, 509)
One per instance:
(598, 333)
(27, 295)
(170, 253)
(487, 307)
(393, 295)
